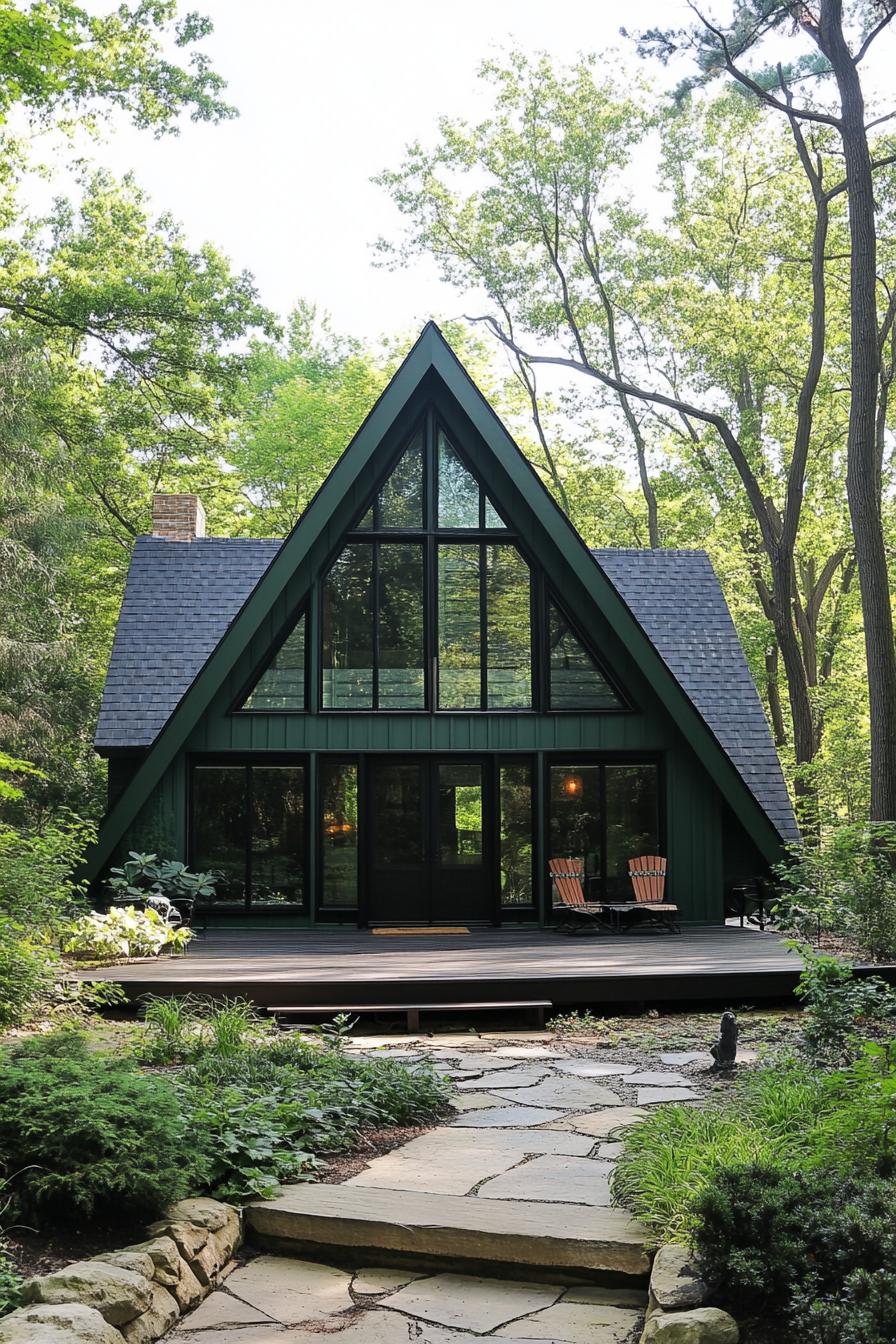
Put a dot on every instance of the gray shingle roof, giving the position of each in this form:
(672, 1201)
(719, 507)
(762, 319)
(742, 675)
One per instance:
(180, 598)
(678, 602)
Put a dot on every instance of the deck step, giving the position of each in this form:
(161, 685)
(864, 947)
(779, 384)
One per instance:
(411, 1011)
(453, 1227)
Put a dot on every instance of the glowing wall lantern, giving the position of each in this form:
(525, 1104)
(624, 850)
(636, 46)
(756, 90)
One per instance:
(572, 786)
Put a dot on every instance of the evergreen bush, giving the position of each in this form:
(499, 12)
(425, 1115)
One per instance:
(84, 1135)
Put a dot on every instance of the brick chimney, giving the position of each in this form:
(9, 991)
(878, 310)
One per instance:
(178, 517)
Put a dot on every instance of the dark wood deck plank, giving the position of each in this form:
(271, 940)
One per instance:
(310, 966)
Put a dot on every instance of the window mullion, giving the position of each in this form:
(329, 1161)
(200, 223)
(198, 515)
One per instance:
(483, 630)
(375, 641)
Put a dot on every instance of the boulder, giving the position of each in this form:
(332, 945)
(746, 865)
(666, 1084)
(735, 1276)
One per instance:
(206, 1264)
(675, 1280)
(165, 1256)
(63, 1323)
(117, 1294)
(204, 1212)
(137, 1261)
(188, 1290)
(155, 1322)
(189, 1238)
(703, 1325)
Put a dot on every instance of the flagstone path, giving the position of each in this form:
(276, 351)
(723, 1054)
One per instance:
(520, 1176)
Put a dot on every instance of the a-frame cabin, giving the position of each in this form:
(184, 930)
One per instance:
(400, 713)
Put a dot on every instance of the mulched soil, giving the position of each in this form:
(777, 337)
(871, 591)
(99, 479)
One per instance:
(34, 1254)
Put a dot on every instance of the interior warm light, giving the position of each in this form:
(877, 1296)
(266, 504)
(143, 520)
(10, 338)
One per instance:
(572, 786)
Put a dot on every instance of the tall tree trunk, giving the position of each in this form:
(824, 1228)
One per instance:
(863, 484)
(773, 694)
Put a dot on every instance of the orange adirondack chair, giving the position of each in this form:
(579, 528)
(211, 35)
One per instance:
(648, 875)
(570, 906)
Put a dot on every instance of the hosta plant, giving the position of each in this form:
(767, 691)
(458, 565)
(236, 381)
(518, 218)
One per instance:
(125, 932)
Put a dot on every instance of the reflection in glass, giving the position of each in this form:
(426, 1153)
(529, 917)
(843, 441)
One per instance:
(348, 630)
(401, 498)
(219, 828)
(515, 837)
(401, 675)
(398, 815)
(460, 815)
(367, 521)
(576, 825)
(508, 625)
(632, 822)
(460, 684)
(339, 833)
(281, 685)
(492, 517)
(458, 491)
(576, 681)
(278, 835)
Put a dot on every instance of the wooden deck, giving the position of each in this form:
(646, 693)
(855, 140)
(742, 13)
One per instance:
(290, 966)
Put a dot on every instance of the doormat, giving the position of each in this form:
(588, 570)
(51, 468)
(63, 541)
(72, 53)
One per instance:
(403, 933)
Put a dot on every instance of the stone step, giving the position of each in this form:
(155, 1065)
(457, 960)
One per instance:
(453, 1227)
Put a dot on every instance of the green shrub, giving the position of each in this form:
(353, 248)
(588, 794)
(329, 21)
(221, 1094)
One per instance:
(26, 975)
(840, 1007)
(846, 885)
(84, 1135)
(10, 1280)
(263, 1113)
(37, 888)
(124, 932)
(810, 1255)
(143, 875)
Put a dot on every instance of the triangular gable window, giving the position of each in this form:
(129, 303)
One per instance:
(462, 501)
(281, 686)
(399, 503)
(576, 682)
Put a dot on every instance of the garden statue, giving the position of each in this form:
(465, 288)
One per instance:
(724, 1052)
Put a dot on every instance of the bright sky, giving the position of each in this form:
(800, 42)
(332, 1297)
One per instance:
(329, 94)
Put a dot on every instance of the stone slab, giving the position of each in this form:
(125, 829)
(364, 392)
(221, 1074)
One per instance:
(574, 1094)
(680, 1057)
(579, 1323)
(493, 1230)
(652, 1096)
(594, 1068)
(555, 1180)
(454, 1174)
(610, 1150)
(525, 1052)
(469, 1303)
(292, 1292)
(446, 1142)
(248, 1334)
(475, 1101)
(224, 1310)
(479, 1082)
(508, 1036)
(601, 1124)
(372, 1282)
(656, 1078)
(507, 1117)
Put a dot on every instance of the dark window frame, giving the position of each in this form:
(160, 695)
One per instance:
(238, 706)
(554, 759)
(246, 761)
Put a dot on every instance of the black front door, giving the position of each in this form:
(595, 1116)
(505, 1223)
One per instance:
(430, 851)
